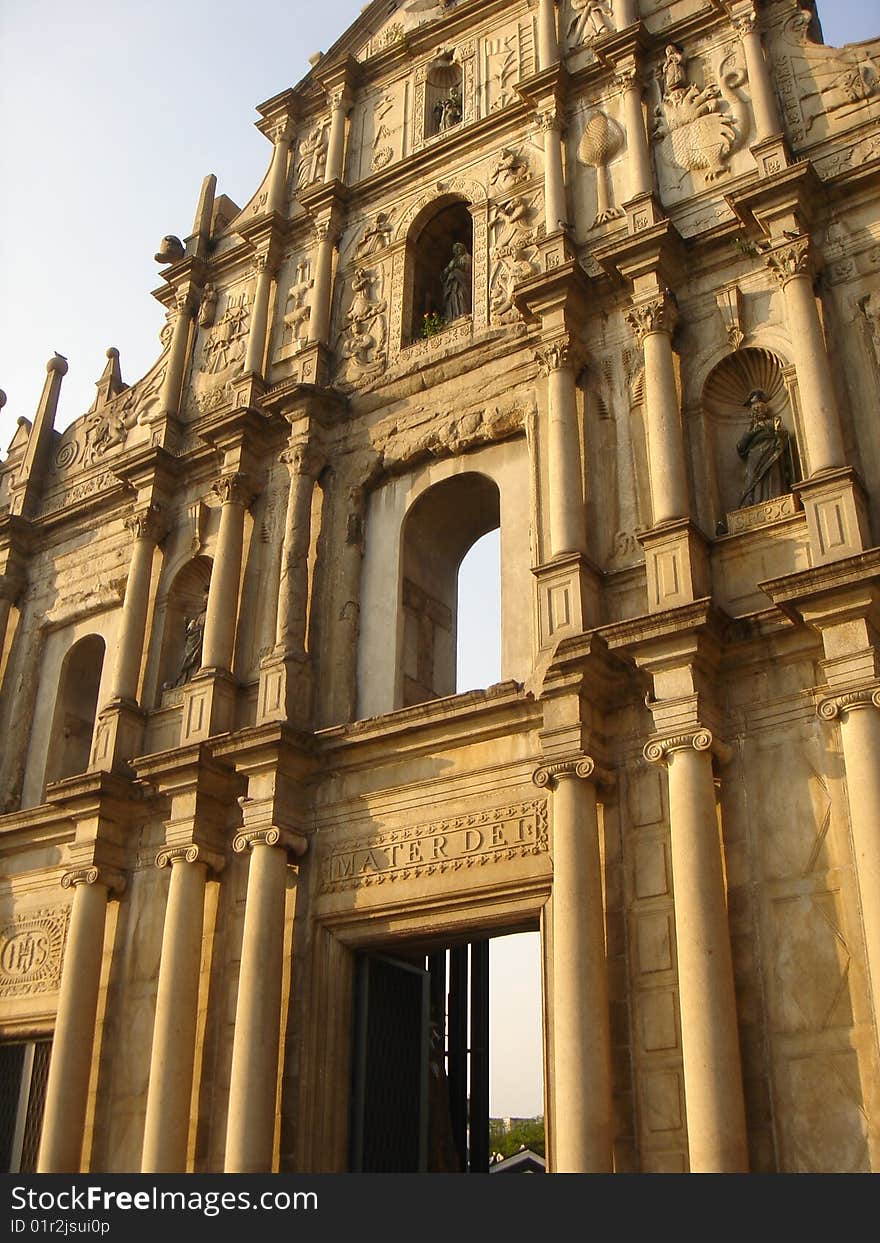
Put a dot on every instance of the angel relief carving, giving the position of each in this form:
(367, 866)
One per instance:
(361, 345)
(312, 156)
(298, 310)
(514, 252)
(695, 126)
(590, 19)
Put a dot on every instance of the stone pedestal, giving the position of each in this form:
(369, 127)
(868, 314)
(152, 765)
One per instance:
(208, 706)
(836, 510)
(676, 565)
(568, 598)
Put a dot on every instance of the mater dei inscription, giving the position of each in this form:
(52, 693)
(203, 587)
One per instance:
(442, 846)
(30, 952)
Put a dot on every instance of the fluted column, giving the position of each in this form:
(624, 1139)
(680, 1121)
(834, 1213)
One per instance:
(256, 345)
(319, 320)
(583, 1116)
(548, 36)
(290, 626)
(281, 136)
(641, 179)
(166, 1130)
(859, 716)
(790, 264)
(253, 1086)
(335, 167)
(764, 106)
(555, 202)
(178, 352)
(654, 320)
(709, 1033)
(70, 1067)
(146, 530)
(567, 518)
(222, 612)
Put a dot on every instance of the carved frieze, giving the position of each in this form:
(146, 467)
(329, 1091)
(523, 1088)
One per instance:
(695, 126)
(445, 846)
(32, 952)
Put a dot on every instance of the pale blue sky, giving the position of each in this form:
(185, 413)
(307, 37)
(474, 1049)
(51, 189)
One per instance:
(112, 114)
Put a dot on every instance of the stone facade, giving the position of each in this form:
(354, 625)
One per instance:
(606, 275)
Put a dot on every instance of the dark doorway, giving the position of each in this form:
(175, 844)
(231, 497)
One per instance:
(420, 1090)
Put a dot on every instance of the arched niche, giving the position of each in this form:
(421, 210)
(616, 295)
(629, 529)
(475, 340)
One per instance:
(184, 602)
(725, 403)
(439, 530)
(444, 95)
(76, 706)
(432, 249)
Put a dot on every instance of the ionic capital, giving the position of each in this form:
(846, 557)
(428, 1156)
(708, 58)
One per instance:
(148, 523)
(657, 314)
(192, 853)
(582, 766)
(234, 489)
(115, 881)
(295, 843)
(792, 258)
(658, 750)
(832, 708)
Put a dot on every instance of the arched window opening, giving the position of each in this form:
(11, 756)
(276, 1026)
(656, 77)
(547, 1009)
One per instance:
(184, 624)
(440, 528)
(440, 259)
(478, 627)
(75, 709)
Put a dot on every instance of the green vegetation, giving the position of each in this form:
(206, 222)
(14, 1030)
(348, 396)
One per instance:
(523, 1133)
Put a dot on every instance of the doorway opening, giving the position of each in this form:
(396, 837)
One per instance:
(422, 1072)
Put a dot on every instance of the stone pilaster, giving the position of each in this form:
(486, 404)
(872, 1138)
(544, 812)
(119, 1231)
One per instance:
(769, 147)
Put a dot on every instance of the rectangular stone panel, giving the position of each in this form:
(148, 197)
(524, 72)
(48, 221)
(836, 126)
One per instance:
(651, 873)
(662, 1099)
(658, 1026)
(654, 939)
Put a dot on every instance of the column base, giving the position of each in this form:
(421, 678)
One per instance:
(208, 706)
(309, 364)
(676, 563)
(771, 155)
(837, 515)
(285, 690)
(119, 735)
(567, 598)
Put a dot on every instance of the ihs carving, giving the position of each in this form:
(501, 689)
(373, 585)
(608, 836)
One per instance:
(602, 140)
(31, 952)
(590, 19)
(693, 132)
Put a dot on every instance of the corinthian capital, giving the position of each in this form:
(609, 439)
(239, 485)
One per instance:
(792, 258)
(658, 314)
(551, 121)
(302, 459)
(148, 523)
(234, 489)
(561, 355)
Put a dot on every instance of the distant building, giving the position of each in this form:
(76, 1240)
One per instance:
(605, 276)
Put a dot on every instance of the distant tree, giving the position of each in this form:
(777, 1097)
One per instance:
(524, 1133)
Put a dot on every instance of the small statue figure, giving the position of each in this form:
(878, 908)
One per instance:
(208, 309)
(591, 19)
(457, 283)
(448, 111)
(170, 250)
(509, 170)
(674, 72)
(192, 647)
(764, 449)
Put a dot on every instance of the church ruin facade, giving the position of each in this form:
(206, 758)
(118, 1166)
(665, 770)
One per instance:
(603, 275)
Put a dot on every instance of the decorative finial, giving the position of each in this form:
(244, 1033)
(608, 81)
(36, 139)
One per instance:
(57, 363)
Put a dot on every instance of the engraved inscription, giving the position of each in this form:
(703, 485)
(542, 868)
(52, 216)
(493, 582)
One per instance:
(31, 951)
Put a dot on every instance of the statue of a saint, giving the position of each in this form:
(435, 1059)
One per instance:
(447, 111)
(674, 72)
(457, 283)
(192, 647)
(764, 449)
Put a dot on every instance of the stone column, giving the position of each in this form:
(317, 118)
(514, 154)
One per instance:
(624, 12)
(641, 180)
(583, 1118)
(335, 167)
(344, 704)
(256, 345)
(764, 106)
(222, 611)
(709, 1034)
(250, 1128)
(567, 517)
(290, 625)
(548, 37)
(166, 1130)
(860, 738)
(654, 320)
(178, 352)
(555, 203)
(70, 1067)
(790, 264)
(319, 320)
(10, 591)
(146, 532)
(281, 136)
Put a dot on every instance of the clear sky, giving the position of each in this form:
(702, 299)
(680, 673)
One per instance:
(113, 112)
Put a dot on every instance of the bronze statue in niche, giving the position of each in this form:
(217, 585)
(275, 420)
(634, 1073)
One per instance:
(766, 451)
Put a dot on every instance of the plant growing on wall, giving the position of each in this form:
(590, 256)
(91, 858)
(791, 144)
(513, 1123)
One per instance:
(433, 323)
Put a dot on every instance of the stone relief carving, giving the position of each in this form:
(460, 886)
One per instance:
(502, 69)
(225, 346)
(361, 345)
(515, 233)
(298, 308)
(383, 152)
(695, 127)
(509, 170)
(589, 20)
(312, 156)
(441, 435)
(602, 140)
(208, 308)
(870, 308)
(32, 951)
(502, 834)
(822, 89)
(376, 236)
